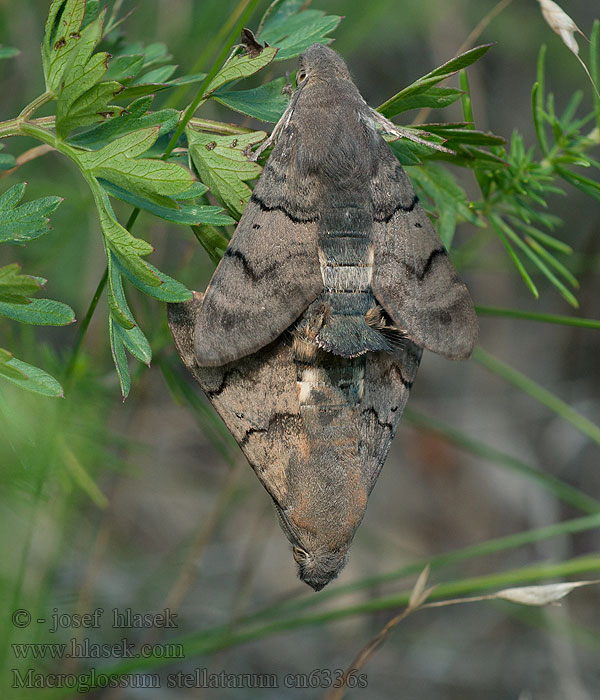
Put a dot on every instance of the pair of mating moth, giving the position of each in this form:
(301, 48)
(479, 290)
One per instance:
(310, 333)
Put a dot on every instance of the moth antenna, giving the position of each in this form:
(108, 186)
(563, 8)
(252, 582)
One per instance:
(415, 136)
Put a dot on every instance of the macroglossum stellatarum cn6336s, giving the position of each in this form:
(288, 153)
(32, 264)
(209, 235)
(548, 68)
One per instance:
(310, 333)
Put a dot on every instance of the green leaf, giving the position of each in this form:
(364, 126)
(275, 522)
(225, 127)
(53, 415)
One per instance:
(222, 165)
(92, 10)
(91, 107)
(133, 118)
(158, 75)
(408, 152)
(131, 91)
(424, 85)
(585, 184)
(121, 68)
(459, 62)
(128, 146)
(61, 39)
(7, 161)
(279, 11)
(119, 358)
(539, 263)
(544, 238)
(30, 378)
(12, 196)
(213, 242)
(467, 107)
(241, 66)
(43, 312)
(19, 224)
(450, 200)
(156, 53)
(429, 97)
(120, 239)
(83, 69)
(462, 134)
(184, 214)
(537, 103)
(196, 190)
(5, 369)
(123, 330)
(81, 98)
(291, 29)
(126, 247)
(117, 303)
(551, 260)
(265, 102)
(136, 343)
(500, 227)
(190, 79)
(170, 290)
(8, 52)
(16, 288)
(152, 179)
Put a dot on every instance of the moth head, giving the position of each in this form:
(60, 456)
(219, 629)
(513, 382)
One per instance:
(318, 560)
(322, 63)
(319, 566)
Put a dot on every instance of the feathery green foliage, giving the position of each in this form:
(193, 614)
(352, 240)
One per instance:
(188, 170)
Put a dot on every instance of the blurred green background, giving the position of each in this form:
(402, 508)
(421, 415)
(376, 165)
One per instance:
(149, 504)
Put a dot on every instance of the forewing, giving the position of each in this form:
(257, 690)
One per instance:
(256, 397)
(270, 271)
(413, 278)
(388, 380)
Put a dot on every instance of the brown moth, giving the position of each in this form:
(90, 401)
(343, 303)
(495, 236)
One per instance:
(310, 333)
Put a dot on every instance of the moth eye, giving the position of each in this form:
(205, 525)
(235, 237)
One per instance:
(299, 555)
(300, 76)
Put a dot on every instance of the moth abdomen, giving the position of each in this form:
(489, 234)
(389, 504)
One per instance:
(325, 380)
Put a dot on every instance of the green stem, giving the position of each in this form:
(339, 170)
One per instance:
(565, 492)
(439, 562)
(207, 52)
(84, 326)
(539, 393)
(223, 637)
(36, 104)
(543, 318)
(218, 127)
(200, 96)
(9, 128)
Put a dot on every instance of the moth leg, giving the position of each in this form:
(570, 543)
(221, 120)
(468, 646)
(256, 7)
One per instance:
(410, 134)
(279, 127)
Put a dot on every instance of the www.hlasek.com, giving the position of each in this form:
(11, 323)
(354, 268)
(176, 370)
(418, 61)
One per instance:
(86, 649)
(199, 678)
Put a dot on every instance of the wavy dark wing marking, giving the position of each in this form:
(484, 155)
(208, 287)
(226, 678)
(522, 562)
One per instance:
(388, 380)
(413, 278)
(256, 397)
(270, 272)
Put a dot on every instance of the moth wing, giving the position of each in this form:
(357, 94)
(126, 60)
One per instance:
(256, 397)
(270, 272)
(388, 380)
(413, 278)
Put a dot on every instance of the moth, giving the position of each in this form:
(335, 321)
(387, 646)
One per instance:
(310, 333)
